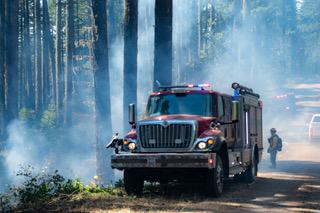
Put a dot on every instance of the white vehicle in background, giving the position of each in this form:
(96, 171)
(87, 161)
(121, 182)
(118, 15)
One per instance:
(314, 128)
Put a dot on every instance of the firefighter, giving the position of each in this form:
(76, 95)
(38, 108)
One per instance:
(275, 145)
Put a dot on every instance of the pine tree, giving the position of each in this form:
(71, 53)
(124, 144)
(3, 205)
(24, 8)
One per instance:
(2, 67)
(27, 64)
(11, 64)
(58, 59)
(38, 59)
(163, 43)
(102, 89)
(48, 57)
(130, 57)
(69, 67)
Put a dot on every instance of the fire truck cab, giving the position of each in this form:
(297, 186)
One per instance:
(192, 133)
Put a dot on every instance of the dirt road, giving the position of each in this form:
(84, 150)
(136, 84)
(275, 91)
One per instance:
(293, 187)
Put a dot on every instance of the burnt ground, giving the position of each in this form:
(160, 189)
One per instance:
(293, 187)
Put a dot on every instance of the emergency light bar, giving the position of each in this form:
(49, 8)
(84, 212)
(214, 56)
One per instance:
(188, 86)
(199, 86)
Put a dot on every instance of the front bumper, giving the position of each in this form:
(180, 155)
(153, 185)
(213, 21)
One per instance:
(163, 160)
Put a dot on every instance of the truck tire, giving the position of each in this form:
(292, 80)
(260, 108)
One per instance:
(251, 171)
(215, 179)
(133, 182)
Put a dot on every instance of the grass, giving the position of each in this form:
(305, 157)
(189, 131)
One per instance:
(40, 190)
(51, 192)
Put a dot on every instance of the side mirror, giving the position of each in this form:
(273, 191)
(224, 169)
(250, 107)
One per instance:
(132, 114)
(235, 111)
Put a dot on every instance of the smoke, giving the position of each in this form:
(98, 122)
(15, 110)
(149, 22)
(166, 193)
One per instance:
(116, 87)
(72, 152)
(145, 52)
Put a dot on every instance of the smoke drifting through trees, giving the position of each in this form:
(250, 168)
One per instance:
(258, 43)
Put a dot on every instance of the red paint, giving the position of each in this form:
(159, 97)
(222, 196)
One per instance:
(132, 134)
(204, 129)
(203, 122)
(210, 132)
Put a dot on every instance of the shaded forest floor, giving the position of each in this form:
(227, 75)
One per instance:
(293, 187)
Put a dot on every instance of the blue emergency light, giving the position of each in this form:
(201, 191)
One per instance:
(201, 86)
(198, 86)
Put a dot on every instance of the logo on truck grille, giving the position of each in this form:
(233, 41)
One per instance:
(165, 124)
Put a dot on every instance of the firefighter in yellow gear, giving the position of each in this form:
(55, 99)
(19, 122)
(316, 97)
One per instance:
(275, 145)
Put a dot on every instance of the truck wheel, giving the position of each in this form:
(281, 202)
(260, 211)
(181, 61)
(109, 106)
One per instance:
(255, 168)
(252, 171)
(215, 179)
(133, 182)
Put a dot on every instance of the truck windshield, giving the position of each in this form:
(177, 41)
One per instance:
(181, 103)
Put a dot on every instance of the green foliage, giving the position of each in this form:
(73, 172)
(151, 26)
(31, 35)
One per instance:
(48, 119)
(309, 28)
(37, 188)
(40, 187)
(76, 186)
(26, 114)
(5, 203)
(119, 183)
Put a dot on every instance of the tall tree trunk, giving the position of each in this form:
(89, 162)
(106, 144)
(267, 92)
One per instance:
(38, 59)
(237, 19)
(194, 54)
(163, 43)
(48, 57)
(102, 89)
(29, 96)
(12, 61)
(50, 41)
(58, 59)
(2, 67)
(199, 34)
(130, 57)
(112, 21)
(21, 90)
(69, 67)
(205, 30)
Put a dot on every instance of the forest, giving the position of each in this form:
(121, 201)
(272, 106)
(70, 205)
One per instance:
(69, 68)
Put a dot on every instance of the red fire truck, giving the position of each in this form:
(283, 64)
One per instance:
(192, 133)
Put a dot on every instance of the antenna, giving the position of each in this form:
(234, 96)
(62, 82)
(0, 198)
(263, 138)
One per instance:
(158, 83)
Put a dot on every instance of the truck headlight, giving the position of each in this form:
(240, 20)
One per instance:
(132, 146)
(202, 145)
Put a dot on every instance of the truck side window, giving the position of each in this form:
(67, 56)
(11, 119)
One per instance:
(214, 106)
(227, 107)
(220, 106)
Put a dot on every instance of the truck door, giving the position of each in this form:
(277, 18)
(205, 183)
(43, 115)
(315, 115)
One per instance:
(230, 131)
(251, 136)
(225, 106)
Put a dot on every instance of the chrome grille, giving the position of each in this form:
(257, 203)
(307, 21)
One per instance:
(170, 136)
